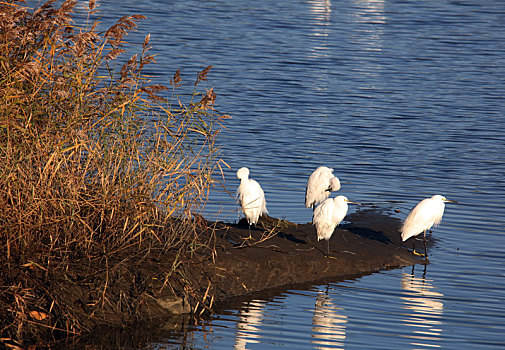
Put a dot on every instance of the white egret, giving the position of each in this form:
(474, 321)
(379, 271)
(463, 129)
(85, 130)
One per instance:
(321, 182)
(251, 198)
(426, 213)
(328, 215)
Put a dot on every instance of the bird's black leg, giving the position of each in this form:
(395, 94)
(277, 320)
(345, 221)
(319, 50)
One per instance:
(249, 230)
(414, 247)
(247, 239)
(328, 248)
(425, 249)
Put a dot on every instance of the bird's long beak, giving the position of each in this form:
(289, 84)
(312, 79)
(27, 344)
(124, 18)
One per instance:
(450, 201)
(348, 201)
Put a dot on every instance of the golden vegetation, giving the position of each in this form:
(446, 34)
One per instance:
(93, 159)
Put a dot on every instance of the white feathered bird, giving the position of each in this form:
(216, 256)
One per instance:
(251, 197)
(321, 182)
(426, 213)
(328, 215)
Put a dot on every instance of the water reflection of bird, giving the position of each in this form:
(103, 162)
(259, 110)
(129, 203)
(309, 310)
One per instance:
(328, 215)
(425, 214)
(321, 9)
(425, 308)
(251, 197)
(321, 182)
(250, 318)
(328, 328)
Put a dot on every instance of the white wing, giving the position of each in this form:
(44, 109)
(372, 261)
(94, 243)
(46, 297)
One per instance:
(317, 186)
(425, 214)
(252, 199)
(324, 219)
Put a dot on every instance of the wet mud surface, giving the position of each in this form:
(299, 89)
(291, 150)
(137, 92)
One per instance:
(281, 253)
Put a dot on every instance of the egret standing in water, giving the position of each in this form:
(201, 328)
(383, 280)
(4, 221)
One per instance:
(251, 198)
(321, 182)
(328, 215)
(426, 213)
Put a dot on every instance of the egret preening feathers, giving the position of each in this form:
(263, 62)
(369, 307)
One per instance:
(328, 215)
(426, 213)
(321, 182)
(251, 197)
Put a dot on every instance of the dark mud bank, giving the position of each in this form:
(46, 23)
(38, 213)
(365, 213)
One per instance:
(162, 286)
(281, 253)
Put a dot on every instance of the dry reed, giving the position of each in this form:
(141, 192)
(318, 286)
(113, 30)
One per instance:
(92, 160)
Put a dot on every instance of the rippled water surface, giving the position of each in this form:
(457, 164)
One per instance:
(404, 99)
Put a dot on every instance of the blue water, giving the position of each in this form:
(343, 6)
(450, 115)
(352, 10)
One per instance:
(404, 99)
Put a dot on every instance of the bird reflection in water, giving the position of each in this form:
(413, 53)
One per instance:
(250, 318)
(370, 11)
(367, 25)
(424, 308)
(321, 9)
(328, 330)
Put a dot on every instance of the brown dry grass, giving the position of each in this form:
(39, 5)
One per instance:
(92, 160)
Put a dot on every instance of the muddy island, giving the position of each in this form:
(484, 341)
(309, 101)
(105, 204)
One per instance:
(280, 254)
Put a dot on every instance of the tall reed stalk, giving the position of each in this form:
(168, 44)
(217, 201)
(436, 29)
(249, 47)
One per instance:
(92, 159)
